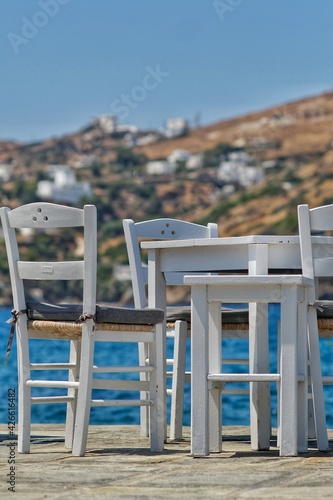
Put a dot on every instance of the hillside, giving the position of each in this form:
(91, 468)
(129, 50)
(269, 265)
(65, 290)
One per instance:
(296, 128)
(298, 136)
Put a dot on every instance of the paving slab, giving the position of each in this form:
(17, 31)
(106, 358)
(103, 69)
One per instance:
(119, 465)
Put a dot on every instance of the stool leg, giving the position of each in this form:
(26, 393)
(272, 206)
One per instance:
(316, 381)
(288, 371)
(215, 359)
(199, 364)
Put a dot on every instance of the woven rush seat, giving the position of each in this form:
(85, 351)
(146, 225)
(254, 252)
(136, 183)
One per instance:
(232, 319)
(325, 318)
(238, 319)
(325, 327)
(64, 319)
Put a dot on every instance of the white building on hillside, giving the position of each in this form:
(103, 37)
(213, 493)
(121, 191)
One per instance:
(237, 169)
(160, 167)
(240, 157)
(64, 188)
(107, 123)
(6, 171)
(175, 127)
(195, 161)
(178, 155)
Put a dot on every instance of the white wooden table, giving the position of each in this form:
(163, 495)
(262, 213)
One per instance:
(249, 254)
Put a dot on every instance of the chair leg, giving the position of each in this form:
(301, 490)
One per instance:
(74, 358)
(85, 391)
(178, 381)
(312, 426)
(157, 391)
(144, 410)
(24, 418)
(24, 393)
(316, 381)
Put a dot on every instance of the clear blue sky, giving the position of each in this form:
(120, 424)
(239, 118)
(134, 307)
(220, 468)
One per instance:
(65, 61)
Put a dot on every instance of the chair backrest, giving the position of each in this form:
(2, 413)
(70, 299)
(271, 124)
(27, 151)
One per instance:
(156, 229)
(49, 217)
(315, 220)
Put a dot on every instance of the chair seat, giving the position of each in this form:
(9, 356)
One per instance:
(325, 309)
(325, 318)
(325, 327)
(241, 316)
(104, 314)
(236, 317)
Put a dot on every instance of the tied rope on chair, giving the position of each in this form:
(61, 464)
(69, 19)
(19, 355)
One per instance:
(319, 305)
(13, 322)
(84, 316)
(82, 319)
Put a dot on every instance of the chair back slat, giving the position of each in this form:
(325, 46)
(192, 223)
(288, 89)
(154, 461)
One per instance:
(157, 229)
(311, 221)
(323, 268)
(304, 228)
(51, 270)
(172, 229)
(45, 215)
(321, 218)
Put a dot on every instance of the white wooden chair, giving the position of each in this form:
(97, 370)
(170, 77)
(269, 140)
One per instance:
(178, 318)
(81, 324)
(320, 313)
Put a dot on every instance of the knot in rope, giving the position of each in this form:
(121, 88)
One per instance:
(84, 316)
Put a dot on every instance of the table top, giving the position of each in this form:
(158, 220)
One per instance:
(233, 240)
(230, 253)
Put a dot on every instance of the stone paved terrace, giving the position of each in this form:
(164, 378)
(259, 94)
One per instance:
(119, 465)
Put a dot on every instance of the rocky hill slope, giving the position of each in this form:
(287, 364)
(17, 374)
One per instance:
(294, 141)
(296, 128)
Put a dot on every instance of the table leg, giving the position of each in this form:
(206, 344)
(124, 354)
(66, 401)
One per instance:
(157, 298)
(215, 357)
(302, 352)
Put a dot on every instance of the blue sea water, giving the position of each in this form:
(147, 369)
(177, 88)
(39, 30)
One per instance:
(235, 407)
